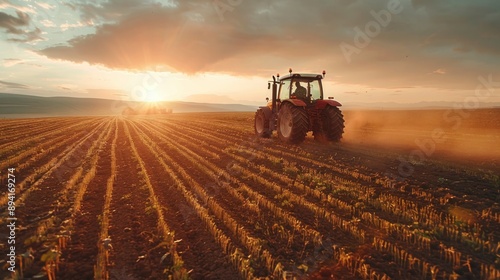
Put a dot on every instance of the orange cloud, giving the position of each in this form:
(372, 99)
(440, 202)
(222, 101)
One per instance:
(149, 39)
(262, 38)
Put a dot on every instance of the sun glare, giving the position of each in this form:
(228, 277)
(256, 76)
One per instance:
(153, 96)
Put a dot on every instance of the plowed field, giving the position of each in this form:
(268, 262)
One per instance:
(198, 196)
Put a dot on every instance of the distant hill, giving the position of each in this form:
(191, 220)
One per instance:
(17, 105)
(21, 106)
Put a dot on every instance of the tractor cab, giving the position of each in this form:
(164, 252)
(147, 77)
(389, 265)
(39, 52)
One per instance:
(305, 87)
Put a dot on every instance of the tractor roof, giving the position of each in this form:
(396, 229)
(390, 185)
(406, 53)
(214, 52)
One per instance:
(302, 75)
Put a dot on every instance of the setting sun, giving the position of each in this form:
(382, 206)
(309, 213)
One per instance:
(152, 96)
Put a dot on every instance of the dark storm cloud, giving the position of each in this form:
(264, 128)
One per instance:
(262, 37)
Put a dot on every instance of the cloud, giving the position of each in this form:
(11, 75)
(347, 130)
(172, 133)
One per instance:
(45, 6)
(47, 23)
(25, 9)
(439, 71)
(261, 38)
(147, 39)
(466, 26)
(13, 24)
(10, 85)
(29, 36)
(421, 3)
(189, 37)
(8, 62)
(66, 26)
(114, 10)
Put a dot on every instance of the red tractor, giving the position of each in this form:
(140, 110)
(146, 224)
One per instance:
(298, 107)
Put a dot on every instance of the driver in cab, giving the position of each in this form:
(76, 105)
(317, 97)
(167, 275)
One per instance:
(300, 92)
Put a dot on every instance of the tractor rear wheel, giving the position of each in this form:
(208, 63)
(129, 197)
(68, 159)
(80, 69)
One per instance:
(293, 123)
(261, 125)
(333, 124)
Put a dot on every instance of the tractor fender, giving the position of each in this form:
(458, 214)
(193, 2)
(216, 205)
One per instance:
(267, 111)
(295, 102)
(321, 104)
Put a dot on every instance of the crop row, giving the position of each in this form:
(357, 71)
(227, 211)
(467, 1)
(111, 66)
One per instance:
(65, 151)
(273, 210)
(422, 216)
(104, 245)
(178, 271)
(235, 253)
(53, 230)
(226, 177)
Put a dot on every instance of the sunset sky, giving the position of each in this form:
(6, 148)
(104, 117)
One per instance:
(225, 51)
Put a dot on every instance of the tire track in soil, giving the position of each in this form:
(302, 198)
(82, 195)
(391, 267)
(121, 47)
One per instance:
(198, 249)
(81, 253)
(132, 229)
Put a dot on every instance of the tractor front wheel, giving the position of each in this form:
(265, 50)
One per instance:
(293, 123)
(261, 125)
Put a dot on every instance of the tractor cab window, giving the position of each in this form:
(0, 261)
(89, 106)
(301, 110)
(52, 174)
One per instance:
(284, 92)
(306, 90)
(314, 90)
